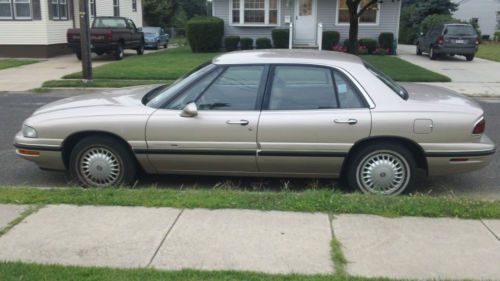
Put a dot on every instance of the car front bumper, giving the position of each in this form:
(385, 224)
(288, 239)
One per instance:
(46, 153)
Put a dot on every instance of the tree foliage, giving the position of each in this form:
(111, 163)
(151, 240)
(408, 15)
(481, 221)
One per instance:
(159, 12)
(426, 8)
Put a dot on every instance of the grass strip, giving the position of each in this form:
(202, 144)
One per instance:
(17, 271)
(30, 210)
(489, 51)
(403, 71)
(8, 63)
(320, 200)
(338, 258)
(100, 83)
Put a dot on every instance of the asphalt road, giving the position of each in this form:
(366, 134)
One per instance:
(15, 107)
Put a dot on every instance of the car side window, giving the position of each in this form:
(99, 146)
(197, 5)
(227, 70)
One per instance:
(348, 95)
(302, 87)
(235, 89)
(131, 24)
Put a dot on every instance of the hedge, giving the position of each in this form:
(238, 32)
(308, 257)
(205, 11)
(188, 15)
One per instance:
(204, 34)
(263, 43)
(280, 38)
(386, 40)
(231, 43)
(370, 44)
(330, 39)
(246, 43)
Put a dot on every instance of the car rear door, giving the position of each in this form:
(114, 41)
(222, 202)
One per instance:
(222, 136)
(312, 116)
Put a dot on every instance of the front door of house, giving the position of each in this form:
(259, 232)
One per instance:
(305, 21)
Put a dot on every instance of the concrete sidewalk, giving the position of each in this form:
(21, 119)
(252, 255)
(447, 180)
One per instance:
(249, 240)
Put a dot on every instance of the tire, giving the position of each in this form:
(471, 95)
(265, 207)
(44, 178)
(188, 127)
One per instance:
(140, 50)
(118, 54)
(419, 52)
(379, 163)
(469, 57)
(432, 54)
(111, 165)
(166, 45)
(78, 55)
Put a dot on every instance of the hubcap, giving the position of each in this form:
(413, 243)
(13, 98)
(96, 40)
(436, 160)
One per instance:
(383, 172)
(100, 166)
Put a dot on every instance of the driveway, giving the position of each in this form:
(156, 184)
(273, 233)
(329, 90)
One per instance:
(27, 77)
(15, 107)
(479, 77)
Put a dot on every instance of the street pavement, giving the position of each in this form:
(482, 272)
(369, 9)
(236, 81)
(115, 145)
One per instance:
(261, 241)
(15, 107)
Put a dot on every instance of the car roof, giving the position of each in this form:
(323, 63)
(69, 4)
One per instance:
(285, 56)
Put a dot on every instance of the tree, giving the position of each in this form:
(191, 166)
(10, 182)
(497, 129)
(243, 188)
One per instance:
(159, 12)
(355, 12)
(431, 7)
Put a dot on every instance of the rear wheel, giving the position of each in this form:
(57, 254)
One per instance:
(100, 161)
(78, 55)
(384, 169)
(118, 54)
(166, 44)
(432, 54)
(419, 52)
(469, 57)
(140, 49)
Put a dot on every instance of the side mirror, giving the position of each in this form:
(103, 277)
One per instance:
(139, 29)
(190, 110)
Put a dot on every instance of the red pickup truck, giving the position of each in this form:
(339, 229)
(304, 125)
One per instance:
(110, 35)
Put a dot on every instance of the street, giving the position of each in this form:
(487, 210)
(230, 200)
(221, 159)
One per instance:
(15, 107)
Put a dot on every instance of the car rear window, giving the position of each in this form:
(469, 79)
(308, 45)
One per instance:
(398, 89)
(460, 30)
(110, 23)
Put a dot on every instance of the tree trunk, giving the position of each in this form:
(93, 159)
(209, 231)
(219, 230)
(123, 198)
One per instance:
(353, 32)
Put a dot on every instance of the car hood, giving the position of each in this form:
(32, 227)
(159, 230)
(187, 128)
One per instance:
(440, 99)
(125, 97)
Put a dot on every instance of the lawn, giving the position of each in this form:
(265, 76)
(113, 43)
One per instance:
(403, 71)
(227, 196)
(490, 51)
(7, 63)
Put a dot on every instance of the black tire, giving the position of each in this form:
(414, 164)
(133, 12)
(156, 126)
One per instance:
(469, 57)
(118, 54)
(140, 50)
(432, 54)
(419, 52)
(391, 153)
(166, 45)
(118, 152)
(78, 55)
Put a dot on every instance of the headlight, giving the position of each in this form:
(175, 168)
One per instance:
(29, 132)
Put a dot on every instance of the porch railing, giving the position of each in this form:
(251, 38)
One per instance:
(290, 36)
(319, 40)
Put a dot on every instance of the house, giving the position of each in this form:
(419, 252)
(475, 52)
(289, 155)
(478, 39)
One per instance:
(256, 18)
(37, 28)
(486, 12)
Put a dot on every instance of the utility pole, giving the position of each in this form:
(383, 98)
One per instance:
(85, 41)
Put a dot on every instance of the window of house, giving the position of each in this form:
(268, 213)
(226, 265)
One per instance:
(134, 5)
(370, 16)
(93, 10)
(15, 9)
(259, 12)
(5, 9)
(59, 9)
(116, 8)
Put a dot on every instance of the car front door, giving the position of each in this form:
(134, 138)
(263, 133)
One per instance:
(312, 116)
(221, 136)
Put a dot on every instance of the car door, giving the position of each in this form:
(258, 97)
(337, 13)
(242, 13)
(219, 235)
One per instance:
(222, 136)
(312, 116)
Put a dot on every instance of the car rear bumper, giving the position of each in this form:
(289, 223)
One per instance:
(465, 50)
(445, 162)
(46, 156)
(101, 47)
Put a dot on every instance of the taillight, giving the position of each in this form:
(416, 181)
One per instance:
(109, 35)
(440, 40)
(479, 127)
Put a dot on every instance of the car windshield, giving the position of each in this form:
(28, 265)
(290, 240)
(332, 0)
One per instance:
(109, 23)
(460, 30)
(398, 89)
(151, 30)
(169, 92)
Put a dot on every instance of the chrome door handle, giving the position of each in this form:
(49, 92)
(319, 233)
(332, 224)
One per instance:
(350, 121)
(241, 122)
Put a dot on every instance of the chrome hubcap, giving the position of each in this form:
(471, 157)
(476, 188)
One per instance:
(100, 166)
(383, 173)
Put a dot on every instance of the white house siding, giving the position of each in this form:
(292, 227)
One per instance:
(326, 14)
(29, 32)
(484, 10)
(105, 8)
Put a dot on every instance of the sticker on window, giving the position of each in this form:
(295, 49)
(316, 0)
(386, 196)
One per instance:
(342, 88)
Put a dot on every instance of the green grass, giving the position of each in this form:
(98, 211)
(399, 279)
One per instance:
(7, 63)
(320, 200)
(16, 271)
(403, 71)
(100, 83)
(30, 210)
(489, 51)
(163, 65)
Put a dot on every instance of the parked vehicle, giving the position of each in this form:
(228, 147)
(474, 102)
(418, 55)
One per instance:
(110, 35)
(449, 39)
(155, 37)
(279, 113)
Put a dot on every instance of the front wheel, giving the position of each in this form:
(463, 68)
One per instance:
(469, 57)
(99, 161)
(78, 55)
(383, 169)
(140, 49)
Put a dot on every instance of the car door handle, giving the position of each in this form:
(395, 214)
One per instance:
(350, 121)
(241, 122)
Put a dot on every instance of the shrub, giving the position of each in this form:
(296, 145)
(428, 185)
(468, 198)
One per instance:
(433, 20)
(246, 43)
(231, 43)
(280, 38)
(369, 44)
(386, 40)
(263, 43)
(205, 34)
(362, 50)
(330, 39)
(340, 48)
(497, 35)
